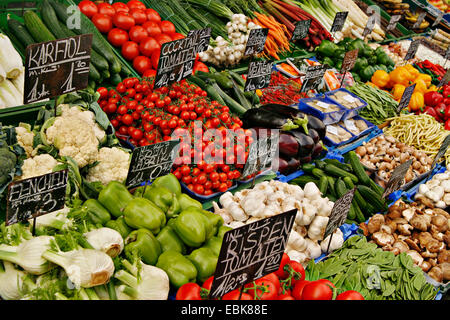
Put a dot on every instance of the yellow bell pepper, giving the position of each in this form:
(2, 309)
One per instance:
(416, 102)
(412, 71)
(432, 88)
(425, 77)
(397, 91)
(400, 75)
(380, 78)
(420, 86)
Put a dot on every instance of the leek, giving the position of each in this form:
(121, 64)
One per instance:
(9, 58)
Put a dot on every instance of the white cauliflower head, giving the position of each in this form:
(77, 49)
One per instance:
(38, 165)
(25, 139)
(113, 166)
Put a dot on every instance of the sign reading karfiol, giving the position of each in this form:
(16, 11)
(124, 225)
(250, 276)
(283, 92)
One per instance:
(150, 162)
(258, 76)
(34, 197)
(256, 41)
(339, 212)
(397, 177)
(251, 251)
(56, 67)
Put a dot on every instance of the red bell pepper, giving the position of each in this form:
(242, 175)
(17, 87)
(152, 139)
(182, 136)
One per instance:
(432, 112)
(447, 112)
(446, 101)
(440, 110)
(447, 125)
(432, 98)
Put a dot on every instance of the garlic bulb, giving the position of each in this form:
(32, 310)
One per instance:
(106, 240)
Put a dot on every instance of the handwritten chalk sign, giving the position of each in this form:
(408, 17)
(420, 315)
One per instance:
(441, 152)
(420, 18)
(411, 53)
(446, 78)
(261, 154)
(34, 197)
(150, 162)
(313, 77)
(438, 19)
(393, 22)
(370, 24)
(258, 76)
(349, 60)
(397, 177)
(256, 41)
(339, 212)
(56, 67)
(406, 97)
(301, 30)
(339, 21)
(251, 251)
(201, 38)
(176, 61)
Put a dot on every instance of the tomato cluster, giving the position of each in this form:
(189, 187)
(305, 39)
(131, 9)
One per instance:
(144, 116)
(287, 283)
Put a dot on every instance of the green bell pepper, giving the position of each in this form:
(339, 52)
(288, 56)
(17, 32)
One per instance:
(142, 213)
(356, 77)
(143, 244)
(169, 240)
(360, 64)
(120, 226)
(367, 73)
(170, 182)
(384, 59)
(372, 60)
(326, 48)
(193, 227)
(205, 262)
(185, 202)
(215, 220)
(328, 61)
(368, 52)
(179, 268)
(215, 243)
(164, 199)
(222, 231)
(96, 212)
(115, 197)
(379, 50)
(357, 44)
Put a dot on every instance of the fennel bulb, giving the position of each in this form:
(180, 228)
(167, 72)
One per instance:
(106, 240)
(11, 280)
(84, 267)
(9, 58)
(28, 254)
(57, 220)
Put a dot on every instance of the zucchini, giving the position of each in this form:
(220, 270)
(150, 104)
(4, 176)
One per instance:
(335, 171)
(124, 70)
(318, 173)
(21, 32)
(93, 73)
(348, 221)
(197, 81)
(37, 28)
(302, 180)
(230, 102)
(331, 197)
(237, 77)
(86, 26)
(340, 187)
(323, 185)
(221, 78)
(360, 200)
(320, 164)
(372, 197)
(240, 96)
(308, 167)
(337, 163)
(105, 74)
(332, 190)
(348, 183)
(358, 169)
(213, 94)
(359, 215)
(51, 20)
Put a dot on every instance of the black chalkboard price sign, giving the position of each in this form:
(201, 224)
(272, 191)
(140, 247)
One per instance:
(447, 54)
(393, 22)
(411, 53)
(313, 77)
(339, 212)
(256, 41)
(150, 162)
(349, 60)
(339, 21)
(370, 24)
(56, 67)
(446, 78)
(397, 177)
(258, 76)
(201, 39)
(301, 30)
(420, 18)
(176, 61)
(34, 197)
(406, 97)
(441, 152)
(251, 251)
(261, 154)
(438, 19)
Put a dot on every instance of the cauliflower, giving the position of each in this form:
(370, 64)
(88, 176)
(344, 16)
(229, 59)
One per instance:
(87, 116)
(114, 164)
(74, 136)
(25, 139)
(37, 166)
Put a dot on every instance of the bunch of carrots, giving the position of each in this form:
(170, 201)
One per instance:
(278, 37)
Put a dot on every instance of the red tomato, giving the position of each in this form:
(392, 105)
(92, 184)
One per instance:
(149, 73)
(127, 119)
(103, 92)
(272, 277)
(155, 59)
(152, 28)
(123, 20)
(88, 8)
(189, 291)
(141, 64)
(137, 134)
(295, 266)
(163, 38)
(285, 296)
(167, 27)
(106, 8)
(136, 4)
(234, 295)
(120, 7)
(327, 282)
(317, 290)
(152, 15)
(117, 37)
(148, 46)
(177, 36)
(130, 50)
(350, 295)
(137, 33)
(270, 292)
(138, 15)
(103, 22)
(297, 291)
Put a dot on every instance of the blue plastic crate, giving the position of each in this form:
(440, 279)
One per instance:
(411, 192)
(375, 132)
(201, 197)
(349, 113)
(327, 117)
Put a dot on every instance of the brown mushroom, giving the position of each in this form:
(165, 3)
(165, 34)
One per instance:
(412, 245)
(401, 245)
(364, 228)
(444, 256)
(427, 254)
(386, 228)
(433, 262)
(417, 258)
(436, 273)
(419, 222)
(375, 223)
(408, 213)
(439, 236)
(427, 202)
(383, 238)
(440, 222)
(428, 242)
(391, 224)
(446, 270)
(447, 237)
(425, 266)
(442, 212)
(405, 229)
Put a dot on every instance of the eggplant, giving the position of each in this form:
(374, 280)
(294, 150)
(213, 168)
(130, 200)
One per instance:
(289, 145)
(318, 148)
(289, 165)
(282, 165)
(288, 111)
(294, 164)
(306, 143)
(304, 160)
(317, 124)
(258, 117)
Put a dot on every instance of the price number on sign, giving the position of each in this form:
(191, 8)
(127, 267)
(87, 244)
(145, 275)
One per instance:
(412, 49)
(313, 77)
(256, 41)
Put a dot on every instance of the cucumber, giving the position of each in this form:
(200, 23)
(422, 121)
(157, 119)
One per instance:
(318, 173)
(331, 197)
(351, 212)
(340, 187)
(93, 73)
(331, 182)
(372, 197)
(323, 185)
(124, 70)
(86, 26)
(37, 28)
(230, 102)
(358, 169)
(115, 79)
(21, 32)
(320, 164)
(360, 200)
(51, 20)
(348, 183)
(348, 221)
(220, 78)
(302, 180)
(240, 96)
(359, 215)
(375, 187)
(237, 77)
(105, 74)
(308, 167)
(335, 171)
(343, 166)
(197, 81)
